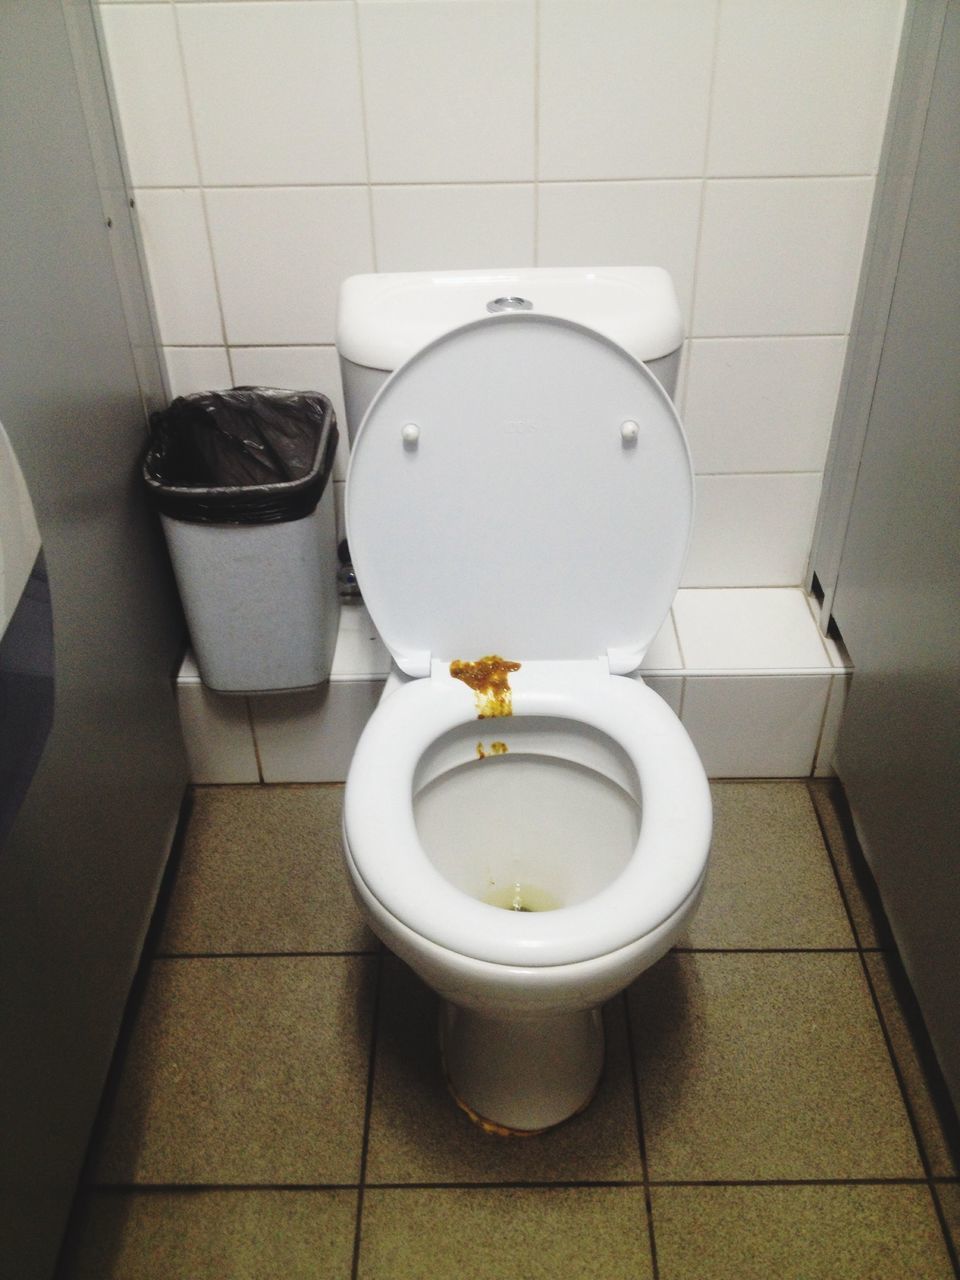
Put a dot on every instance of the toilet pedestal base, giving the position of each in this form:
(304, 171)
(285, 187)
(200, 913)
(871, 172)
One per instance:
(521, 1075)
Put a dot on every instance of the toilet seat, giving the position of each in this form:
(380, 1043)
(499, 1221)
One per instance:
(664, 871)
(522, 487)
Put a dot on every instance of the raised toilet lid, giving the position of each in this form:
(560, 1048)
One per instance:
(520, 486)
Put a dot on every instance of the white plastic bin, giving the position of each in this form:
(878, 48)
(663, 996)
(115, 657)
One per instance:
(259, 589)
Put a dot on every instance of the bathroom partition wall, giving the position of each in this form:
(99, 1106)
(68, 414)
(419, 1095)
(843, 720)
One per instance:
(889, 547)
(80, 869)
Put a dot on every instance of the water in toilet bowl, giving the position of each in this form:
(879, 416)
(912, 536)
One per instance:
(527, 831)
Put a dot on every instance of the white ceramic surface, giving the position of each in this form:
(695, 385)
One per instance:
(761, 404)
(801, 88)
(191, 369)
(780, 255)
(248, 133)
(449, 89)
(625, 222)
(281, 253)
(429, 228)
(624, 88)
(177, 246)
(742, 631)
(148, 80)
(752, 530)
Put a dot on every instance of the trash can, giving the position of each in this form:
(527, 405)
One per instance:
(242, 481)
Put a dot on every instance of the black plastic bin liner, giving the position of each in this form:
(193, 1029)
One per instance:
(252, 455)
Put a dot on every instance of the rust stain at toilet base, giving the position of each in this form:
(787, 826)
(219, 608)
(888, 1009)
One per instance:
(504, 1131)
(489, 678)
(495, 749)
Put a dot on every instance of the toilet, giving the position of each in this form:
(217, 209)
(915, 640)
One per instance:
(526, 823)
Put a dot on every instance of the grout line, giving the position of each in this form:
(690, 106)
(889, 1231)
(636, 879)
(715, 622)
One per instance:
(702, 178)
(159, 1188)
(195, 1188)
(258, 955)
(672, 618)
(249, 701)
(818, 746)
(202, 187)
(792, 1182)
(367, 1114)
(536, 130)
(641, 1140)
(767, 951)
(687, 179)
(364, 111)
(272, 786)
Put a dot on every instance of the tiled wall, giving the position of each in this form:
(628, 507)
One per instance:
(278, 145)
(758, 688)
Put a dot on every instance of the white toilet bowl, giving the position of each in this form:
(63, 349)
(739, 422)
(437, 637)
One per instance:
(590, 804)
(529, 835)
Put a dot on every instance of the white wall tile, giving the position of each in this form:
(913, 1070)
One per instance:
(147, 76)
(281, 254)
(298, 369)
(447, 228)
(180, 267)
(613, 223)
(360, 653)
(755, 726)
(664, 652)
(275, 92)
(752, 531)
(761, 404)
(624, 87)
(192, 369)
(217, 735)
(827, 746)
(311, 737)
(780, 256)
(669, 688)
(748, 630)
(802, 88)
(448, 86)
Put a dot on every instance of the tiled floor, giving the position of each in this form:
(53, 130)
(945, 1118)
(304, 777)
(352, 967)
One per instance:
(278, 1109)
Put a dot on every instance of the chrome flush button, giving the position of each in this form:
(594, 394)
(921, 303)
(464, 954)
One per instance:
(509, 304)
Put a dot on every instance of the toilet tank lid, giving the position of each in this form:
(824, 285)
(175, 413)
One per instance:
(383, 319)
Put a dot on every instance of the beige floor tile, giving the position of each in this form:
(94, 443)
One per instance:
(499, 1233)
(244, 1071)
(261, 871)
(766, 1067)
(417, 1133)
(869, 923)
(798, 1233)
(215, 1235)
(770, 883)
(882, 968)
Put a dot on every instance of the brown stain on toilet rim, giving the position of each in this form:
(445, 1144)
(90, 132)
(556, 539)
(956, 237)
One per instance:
(489, 678)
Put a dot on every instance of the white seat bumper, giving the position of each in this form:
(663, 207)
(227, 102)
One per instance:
(665, 869)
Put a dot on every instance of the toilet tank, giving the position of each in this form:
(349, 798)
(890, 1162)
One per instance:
(382, 320)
